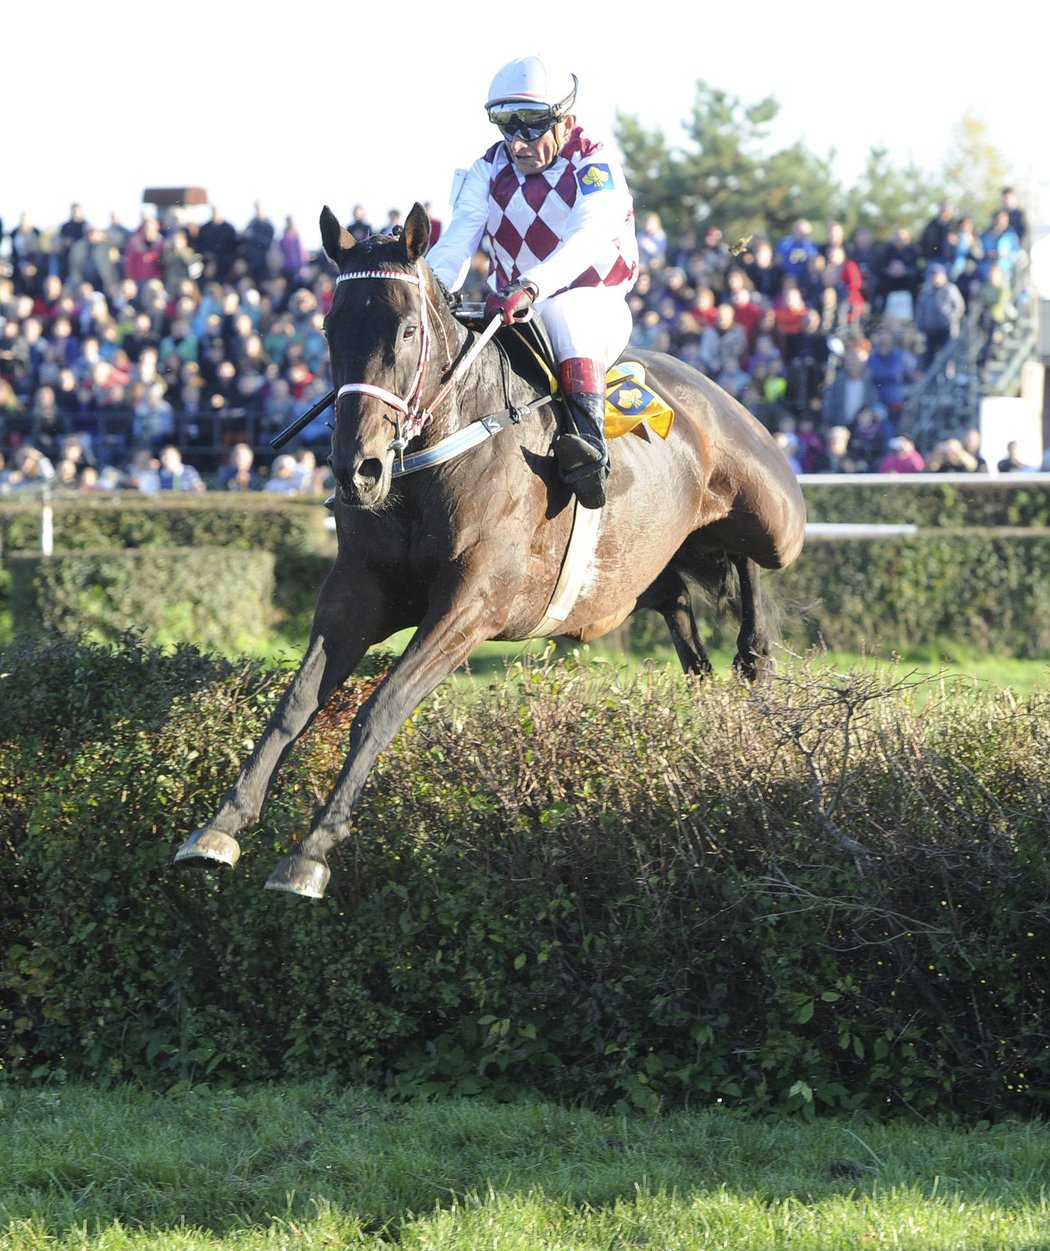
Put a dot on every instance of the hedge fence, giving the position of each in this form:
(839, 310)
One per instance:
(974, 572)
(829, 895)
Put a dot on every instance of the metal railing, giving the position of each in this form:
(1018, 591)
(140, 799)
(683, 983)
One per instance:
(947, 399)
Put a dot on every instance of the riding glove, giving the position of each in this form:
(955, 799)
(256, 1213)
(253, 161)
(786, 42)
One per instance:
(513, 302)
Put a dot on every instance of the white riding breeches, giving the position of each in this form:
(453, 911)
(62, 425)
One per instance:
(592, 322)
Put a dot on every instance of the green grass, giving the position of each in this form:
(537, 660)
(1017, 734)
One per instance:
(311, 1166)
(1023, 677)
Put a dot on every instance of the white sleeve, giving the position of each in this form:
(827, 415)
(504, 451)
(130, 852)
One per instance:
(597, 221)
(458, 243)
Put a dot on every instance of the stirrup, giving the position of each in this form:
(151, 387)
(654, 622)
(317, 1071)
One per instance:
(574, 453)
(588, 483)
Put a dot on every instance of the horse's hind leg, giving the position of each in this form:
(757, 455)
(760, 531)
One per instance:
(336, 647)
(669, 596)
(752, 643)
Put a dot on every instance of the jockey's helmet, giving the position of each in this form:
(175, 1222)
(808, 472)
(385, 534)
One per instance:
(529, 92)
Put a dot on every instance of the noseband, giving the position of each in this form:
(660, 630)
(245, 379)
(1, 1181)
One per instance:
(410, 407)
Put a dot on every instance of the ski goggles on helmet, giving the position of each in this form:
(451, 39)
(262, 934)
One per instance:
(517, 119)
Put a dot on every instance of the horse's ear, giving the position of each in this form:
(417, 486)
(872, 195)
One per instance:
(416, 234)
(336, 240)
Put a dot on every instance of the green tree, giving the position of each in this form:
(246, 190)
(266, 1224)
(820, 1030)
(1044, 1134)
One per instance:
(886, 196)
(725, 174)
(974, 170)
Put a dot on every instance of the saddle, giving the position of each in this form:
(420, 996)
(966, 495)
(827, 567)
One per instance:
(632, 406)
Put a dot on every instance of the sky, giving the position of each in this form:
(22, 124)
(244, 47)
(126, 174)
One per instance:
(303, 105)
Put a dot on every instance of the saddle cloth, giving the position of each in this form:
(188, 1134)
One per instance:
(632, 405)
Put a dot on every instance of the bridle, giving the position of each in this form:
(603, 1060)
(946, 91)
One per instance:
(410, 407)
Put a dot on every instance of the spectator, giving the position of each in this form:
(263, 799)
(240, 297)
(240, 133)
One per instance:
(939, 312)
(852, 389)
(154, 419)
(936, 240)
(996, 312)
(256, 240)
(795, 251)
(787, 441)
(142, 473)
(949, 456)
(806, 359)
(864, 252)
(890, 367)
(30, 468)
(897, 276)
(145, 249)
(359, 225)
(764, 271)
(652, 241)
(722, 341)
(869, 437)
(284, 477)
(218, 244)
(291, 249)
(175, 475)
(903, 457)
(239, 474)
(393, 223)
(1000, 245)
(1017, 220)
(836, 457)
(971, 441)
(1012, 462)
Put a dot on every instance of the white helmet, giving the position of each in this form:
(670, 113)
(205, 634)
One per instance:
(528, 79)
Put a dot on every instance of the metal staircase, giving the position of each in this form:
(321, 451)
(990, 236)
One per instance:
(947, 399)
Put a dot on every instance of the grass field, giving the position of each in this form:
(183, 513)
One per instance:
(1021, 676)
(304, 1167)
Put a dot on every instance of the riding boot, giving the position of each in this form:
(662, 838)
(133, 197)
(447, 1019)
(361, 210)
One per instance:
(581, 452)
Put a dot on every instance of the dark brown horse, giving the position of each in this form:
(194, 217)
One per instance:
(470, 548)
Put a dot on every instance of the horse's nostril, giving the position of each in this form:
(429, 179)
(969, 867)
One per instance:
(368, 472)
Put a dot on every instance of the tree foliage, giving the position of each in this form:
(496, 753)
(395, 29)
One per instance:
(727, 174)
(974, 170)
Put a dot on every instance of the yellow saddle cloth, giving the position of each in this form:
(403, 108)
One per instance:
(631, 403)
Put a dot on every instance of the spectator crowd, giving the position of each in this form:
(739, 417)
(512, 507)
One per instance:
(165, 357)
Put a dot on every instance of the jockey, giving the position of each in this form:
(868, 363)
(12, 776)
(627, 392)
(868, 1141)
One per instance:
(551, 208)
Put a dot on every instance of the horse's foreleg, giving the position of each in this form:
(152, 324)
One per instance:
(340, 639)
(435, 651)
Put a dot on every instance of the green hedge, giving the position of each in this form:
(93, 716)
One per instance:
(125, 519)
(986, 589)
(219, 598)
(827, 895)
(974, 574)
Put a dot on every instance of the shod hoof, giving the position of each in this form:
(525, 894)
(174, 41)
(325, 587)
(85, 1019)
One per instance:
(208, 845)
(299, 875)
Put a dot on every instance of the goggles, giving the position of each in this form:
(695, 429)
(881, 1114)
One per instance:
(516, 119)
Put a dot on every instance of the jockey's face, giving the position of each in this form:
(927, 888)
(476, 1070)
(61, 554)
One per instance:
(534, 157)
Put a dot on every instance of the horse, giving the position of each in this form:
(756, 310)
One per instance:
(465, 537)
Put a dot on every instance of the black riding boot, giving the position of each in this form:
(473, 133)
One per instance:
(582, 455)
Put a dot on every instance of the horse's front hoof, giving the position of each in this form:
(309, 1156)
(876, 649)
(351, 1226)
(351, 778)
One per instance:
(299, 875)
(205, 845)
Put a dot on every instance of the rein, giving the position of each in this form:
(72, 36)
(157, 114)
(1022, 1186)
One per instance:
(410, 407)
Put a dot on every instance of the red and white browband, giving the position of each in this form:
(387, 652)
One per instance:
(409, 406)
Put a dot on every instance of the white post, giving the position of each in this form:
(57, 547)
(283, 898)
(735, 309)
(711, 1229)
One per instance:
(47, 522)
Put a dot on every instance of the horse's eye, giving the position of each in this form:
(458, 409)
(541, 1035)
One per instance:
(409, 331)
